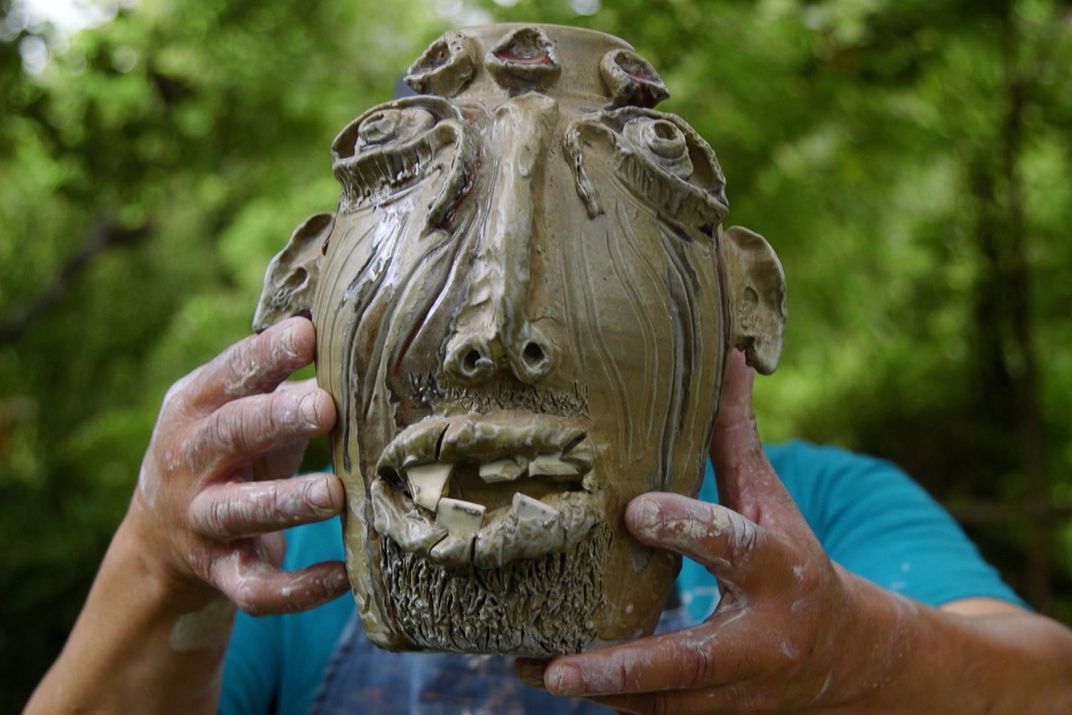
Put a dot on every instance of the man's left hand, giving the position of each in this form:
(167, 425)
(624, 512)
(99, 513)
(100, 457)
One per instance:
(782, 637)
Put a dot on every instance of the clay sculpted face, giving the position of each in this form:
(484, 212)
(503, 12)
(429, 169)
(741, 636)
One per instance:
(523, 306)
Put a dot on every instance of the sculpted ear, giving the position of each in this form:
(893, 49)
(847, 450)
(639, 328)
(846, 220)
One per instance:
(290, 281)
(755, 289)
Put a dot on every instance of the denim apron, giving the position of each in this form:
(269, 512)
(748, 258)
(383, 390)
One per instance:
(362, 678)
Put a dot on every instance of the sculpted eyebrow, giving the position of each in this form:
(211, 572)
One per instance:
(392, 147)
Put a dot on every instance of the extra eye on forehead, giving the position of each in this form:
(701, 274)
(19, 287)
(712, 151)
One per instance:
(631, 80)
(531, 58)
(390, 147)
(523, 60)
(445, 68)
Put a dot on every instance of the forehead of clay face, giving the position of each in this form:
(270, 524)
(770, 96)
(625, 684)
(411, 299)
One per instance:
(470, 78)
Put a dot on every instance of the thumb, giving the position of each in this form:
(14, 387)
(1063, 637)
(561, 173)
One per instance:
(719, 538)
(746, 479)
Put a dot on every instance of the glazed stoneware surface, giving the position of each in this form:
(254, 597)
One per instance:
(523, 307)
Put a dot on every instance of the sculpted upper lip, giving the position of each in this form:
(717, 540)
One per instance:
(481, 439)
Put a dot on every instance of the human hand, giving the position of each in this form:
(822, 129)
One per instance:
(782, 637)
(215, 489)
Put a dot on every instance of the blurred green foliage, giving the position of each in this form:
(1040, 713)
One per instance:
(910, 161)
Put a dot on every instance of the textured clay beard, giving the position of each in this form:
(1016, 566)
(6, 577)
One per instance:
(533, 607)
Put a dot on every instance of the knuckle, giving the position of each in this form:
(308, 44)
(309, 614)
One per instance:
(200, 566)
(176, 394)
(238, 358)
(306, 503)
(664, 704)
(243, 595)
(233, 432)
(272, 505)
(809, 579)
(696, 664)
(270, 508)
(627, 676)
(245, 600)
(749, 699)
(281, 413)
(175, 456)
(242, 366)
(219, 517)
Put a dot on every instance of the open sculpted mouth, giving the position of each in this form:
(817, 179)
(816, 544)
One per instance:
(487, 489)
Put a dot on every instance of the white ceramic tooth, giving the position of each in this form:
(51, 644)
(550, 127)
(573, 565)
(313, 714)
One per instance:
(551, 465)
(502, 470)
(427, 483)
(453, 551)
(459, 517)
(525, 507)
(580, 456)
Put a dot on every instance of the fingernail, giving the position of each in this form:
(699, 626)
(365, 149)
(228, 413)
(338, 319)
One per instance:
(320, 495)
(565, 679)
(307, 408)
(646, 514)
(288, 339)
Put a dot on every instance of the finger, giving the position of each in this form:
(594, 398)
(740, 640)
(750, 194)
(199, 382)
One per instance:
(707, 701)
(241, 430)
(745, 476)
(284, 460)
(258, 588)
(253, 365)
(719, 538)
(230, 510)
(714, 653)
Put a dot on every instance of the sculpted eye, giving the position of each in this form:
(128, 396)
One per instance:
(660, 158)
(390, 149)
(387, 150)
(665, 143)
(393, 125)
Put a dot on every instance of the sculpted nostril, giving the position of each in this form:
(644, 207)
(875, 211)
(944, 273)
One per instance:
(534, 358)
(472, 359)
(533, 354)
(469, 359)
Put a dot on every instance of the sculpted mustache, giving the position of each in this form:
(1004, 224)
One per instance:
(483, 438)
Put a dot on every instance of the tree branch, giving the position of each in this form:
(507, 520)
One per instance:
(106, 234)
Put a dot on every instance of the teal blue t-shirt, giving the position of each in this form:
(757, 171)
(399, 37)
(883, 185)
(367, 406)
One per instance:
(870, 517)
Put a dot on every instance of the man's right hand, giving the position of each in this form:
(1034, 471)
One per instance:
(215, 489)
(204, 527)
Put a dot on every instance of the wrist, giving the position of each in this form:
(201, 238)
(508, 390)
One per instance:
(140, 549)
(877, 646)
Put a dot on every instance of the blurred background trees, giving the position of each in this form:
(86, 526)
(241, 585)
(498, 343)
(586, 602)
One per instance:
(910, 161)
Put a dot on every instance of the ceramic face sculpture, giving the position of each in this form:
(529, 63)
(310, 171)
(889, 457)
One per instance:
(523, 306)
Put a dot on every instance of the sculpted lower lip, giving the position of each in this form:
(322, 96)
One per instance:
(463, 534)
(409, 498)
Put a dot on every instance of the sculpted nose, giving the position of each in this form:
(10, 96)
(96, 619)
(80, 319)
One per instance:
(492, 332)
(473, 358)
